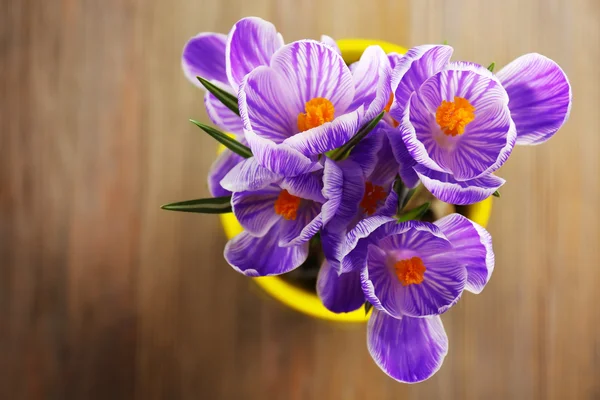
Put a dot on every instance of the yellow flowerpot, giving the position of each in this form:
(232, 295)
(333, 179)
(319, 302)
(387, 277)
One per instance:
(308, 302)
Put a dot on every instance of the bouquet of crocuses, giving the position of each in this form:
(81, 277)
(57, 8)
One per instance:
(320, 152)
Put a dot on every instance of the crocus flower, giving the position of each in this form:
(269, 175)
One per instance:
(358, 187)
(307, 102)
(279, 216)
(459, 122)
(411, 272)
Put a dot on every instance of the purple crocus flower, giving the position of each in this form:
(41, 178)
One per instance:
(279, 216)
(307, 102)
(459, 122)
(411, 272)
(358, 187)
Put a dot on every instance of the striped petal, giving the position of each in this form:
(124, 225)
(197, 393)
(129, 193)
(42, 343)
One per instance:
(473, 247)
(403, 158)
(444, 187)
(251, 43)
(261, 256)
(204, 55)
(409, 349)
(339, 293)
(248, 175)
(306, 225)
(540, 97)
(222, 116)
(372, 79)
(329, 41)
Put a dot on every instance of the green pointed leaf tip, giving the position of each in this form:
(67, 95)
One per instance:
(211, 205)
(368, 307)
(491, 67)
(228, 100)
(339, 153)
(224, 139)
(414, 214)
(496, 194)
(445, 42)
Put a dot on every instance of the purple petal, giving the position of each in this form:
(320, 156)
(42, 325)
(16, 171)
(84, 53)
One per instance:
(394, 59)
(443, 281)
(409, 350)
(306, 225)
(403, 158)
(473, 247)
(417, 65)
(251, 43)
(540, 97)
(225, 161)
(261, 256)
(356, 245)
(386, 167)
(266, 106)
(328, 136)
(308, 186)
(365, 153)
(280, 158)
(449, 190)
(372, 79)
(339, 293)
(311, 69)
(486, 142)
(329, 41)
(204, 55)
(222, 116)
(248, 175)
(255, 211)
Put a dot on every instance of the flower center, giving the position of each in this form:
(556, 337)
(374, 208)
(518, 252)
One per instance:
(318, 111)
(454, 116)
(373, 195)
(287, 205)
(410, 271)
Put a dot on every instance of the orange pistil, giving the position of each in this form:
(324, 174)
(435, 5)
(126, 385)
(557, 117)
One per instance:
(287, 205)
(387, 110)
(454, 116)
(318, 111)
(373, 195)
(410, 271)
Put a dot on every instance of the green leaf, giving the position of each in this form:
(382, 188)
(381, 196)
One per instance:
(212, 205)
(445, 42)
(491, 67)
(229, 100)
(224, 139)
(415, 213)
(496, 194)
(341, 152)
(368, 307)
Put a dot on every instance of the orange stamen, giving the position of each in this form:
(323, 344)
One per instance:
(410, 271)
(387, 110)
(318, 111)
(287, 205)
(454, 116)
(373, 195)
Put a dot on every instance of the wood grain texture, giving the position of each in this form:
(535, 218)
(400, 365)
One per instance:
(104, 296)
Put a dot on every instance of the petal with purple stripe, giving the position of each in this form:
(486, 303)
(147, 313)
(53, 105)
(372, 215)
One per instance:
(372, 80)
(329, 41)
(339, 293)
(307, 186)
(255, 211)
(248, 175)
(261, 256)
(473, 247)
(306, 225)
(409, 349)
(403, 158)
(311, 70)
(538, 87)
(446, 188)
(251, 43)
(225, 161)
(204, 55)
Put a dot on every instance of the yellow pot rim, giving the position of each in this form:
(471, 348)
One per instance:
(308, 302)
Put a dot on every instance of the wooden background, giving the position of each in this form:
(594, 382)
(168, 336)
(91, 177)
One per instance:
(104, 296)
